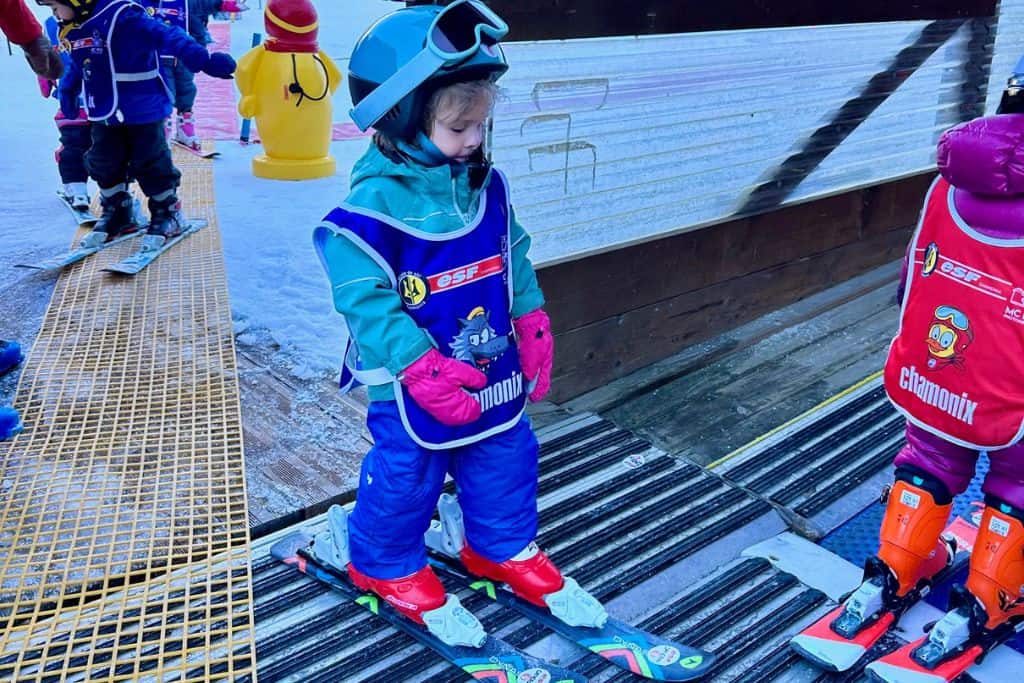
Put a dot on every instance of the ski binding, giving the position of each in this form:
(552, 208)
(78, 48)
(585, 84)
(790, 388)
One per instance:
(151, 250)
(949, 649)
(82, 216)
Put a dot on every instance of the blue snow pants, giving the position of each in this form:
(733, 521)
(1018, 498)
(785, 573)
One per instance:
(401, 481)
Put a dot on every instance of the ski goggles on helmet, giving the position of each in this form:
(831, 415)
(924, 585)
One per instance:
(457, 32)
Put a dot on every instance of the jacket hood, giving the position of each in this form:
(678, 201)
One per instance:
(374, 164)
(985, 156)
(411, 192)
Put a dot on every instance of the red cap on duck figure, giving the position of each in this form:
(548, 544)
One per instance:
(291, 26)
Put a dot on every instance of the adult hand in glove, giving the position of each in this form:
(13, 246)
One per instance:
(536, 350)
(220, 65)
(43, 59)
(46, 86)
(438, 385)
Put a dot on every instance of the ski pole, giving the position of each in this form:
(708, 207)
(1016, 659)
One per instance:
(243, 136)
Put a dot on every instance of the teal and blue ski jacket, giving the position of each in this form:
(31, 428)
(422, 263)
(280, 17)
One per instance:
(435, 199)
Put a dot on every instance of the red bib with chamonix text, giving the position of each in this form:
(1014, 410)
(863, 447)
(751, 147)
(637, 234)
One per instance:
(956, 365)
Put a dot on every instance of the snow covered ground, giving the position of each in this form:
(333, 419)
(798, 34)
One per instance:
(276, 284)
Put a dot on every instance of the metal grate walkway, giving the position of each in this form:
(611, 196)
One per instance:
(123, 524)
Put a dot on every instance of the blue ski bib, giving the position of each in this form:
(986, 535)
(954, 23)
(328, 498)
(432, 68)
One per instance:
(457, 286)
(170, 12)
(90, 48)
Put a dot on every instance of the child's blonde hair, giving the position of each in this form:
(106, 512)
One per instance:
(452, 102)
(448, 103)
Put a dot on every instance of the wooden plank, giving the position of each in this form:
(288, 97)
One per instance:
(580, 292)
(303, 445)
(894, 204)
(691, 359)
(715, 409)
(611, 348)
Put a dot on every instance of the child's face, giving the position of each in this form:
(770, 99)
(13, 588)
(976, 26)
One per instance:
(62, 12)
(458, 137)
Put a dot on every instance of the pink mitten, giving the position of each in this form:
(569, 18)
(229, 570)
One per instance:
(45, 86)
(536, 350)
(232, 6)
(436, 383)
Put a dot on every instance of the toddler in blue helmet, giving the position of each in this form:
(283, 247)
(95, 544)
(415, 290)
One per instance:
(429, 268)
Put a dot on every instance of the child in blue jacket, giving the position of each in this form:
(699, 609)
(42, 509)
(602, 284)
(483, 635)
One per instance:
(429, 268)
(114, 46)
(190, 16)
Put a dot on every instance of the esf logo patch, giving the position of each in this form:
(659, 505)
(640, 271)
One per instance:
(412, 287)
(931, 259)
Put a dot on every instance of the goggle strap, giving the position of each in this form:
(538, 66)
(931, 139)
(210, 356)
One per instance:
(389, 93)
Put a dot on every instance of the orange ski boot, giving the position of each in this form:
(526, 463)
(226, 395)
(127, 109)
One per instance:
(983, 613)
(911, 546)
(996, 576)
(911, 552)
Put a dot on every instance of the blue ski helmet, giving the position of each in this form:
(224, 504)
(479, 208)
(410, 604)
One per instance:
(406, 56)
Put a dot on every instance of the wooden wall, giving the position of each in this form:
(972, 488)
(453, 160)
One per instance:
(616, 312)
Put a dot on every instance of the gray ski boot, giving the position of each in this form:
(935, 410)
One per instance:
(165, 220)
(118, 217)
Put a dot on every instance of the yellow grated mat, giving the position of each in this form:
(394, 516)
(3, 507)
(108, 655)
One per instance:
(124, 539)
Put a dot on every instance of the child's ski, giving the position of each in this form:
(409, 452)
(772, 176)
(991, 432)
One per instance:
(841, 638)
(197, 151)
(82, 216)
(495, 661)
(622, 644)
(929, 660)
(133, 264)
(76, 255)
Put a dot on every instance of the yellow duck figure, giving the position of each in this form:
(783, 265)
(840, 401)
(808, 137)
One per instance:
(286, 85)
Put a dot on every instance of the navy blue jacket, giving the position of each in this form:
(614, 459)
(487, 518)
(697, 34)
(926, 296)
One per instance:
(134, 41)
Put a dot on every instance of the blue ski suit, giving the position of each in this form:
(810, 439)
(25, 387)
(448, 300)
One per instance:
(391, 225)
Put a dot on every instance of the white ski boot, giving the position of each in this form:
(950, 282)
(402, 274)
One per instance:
(77, 194)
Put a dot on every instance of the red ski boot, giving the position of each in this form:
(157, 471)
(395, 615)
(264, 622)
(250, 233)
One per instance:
(530, 574)
(411, 595)
(419, 596)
